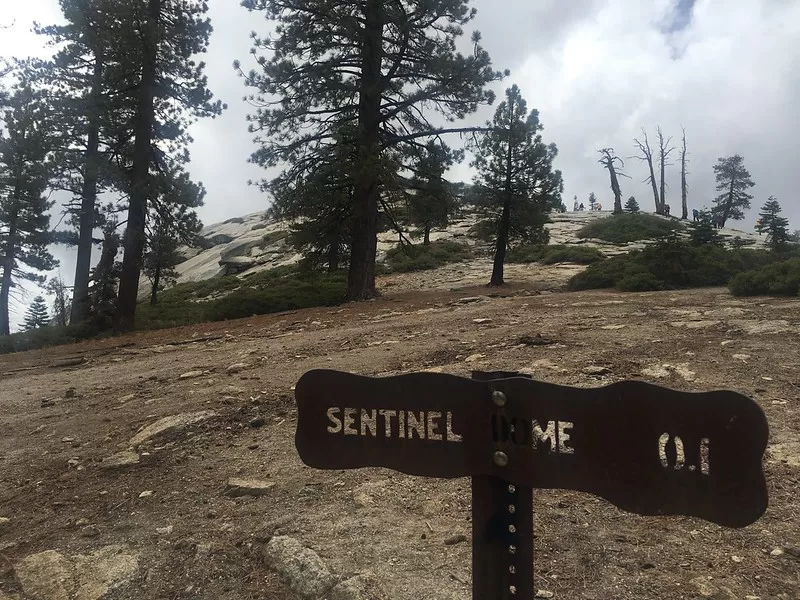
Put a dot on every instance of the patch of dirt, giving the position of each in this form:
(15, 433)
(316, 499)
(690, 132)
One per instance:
(63, 410)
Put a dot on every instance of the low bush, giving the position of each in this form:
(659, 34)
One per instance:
(630, 227)
(779, 279)
(220, 298)
(582, 255)
(549, 255)
(403, 259)
(46, 337)
(673, 265)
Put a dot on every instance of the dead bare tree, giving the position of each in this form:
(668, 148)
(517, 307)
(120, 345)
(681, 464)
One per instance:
(664, 151)
(647, 156)
(608, 160)
(684, 172)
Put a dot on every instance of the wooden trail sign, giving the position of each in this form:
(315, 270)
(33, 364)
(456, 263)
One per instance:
(644, 448)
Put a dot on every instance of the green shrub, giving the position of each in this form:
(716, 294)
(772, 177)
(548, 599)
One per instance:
(549, 255)
(779, 279)
(290, 294)
(525, 254)
(273, 290)
(46, 337)
(627, 227)
(582, 255)
(639, 282)
(403, 259)
(674, 265)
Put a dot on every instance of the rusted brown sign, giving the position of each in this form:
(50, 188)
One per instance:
(645, 448)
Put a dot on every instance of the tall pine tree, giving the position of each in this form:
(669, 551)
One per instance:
(84, 74)
(431, 200)
(37, 316)
(25, 171)
(375, 64)
(516, 177)
(733, 181)
(775, 226)
(170, 92)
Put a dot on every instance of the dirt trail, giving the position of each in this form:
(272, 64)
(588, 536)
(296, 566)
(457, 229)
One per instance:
(64, 410)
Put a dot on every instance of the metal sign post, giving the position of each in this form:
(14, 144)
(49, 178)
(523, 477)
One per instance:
(644, 448)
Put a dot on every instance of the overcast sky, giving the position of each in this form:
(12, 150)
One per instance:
(597, 70)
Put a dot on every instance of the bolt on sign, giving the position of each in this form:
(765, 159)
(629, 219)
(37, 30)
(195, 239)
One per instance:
(646, 449)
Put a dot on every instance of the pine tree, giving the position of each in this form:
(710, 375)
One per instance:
(376, 64)
(702, 231)
(431, 200)
(516, 177)
(592, 200)
(609, 160)
(664, 150)
(37, 316)
(164, 236)
(684, 185)
(171, 90)
(83, 72)
(104, 278)
(733, 180)
(771, 223)
(61, 302)
(646, 155)
(25, 170)
(632, 206)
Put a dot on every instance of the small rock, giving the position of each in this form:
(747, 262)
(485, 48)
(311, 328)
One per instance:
(146, 494)
(300, 567)
(126, 398)
(455, 539)
(127, 458)
(236, 487)
(741, 356)
(170, 425)
(469, 300)
(70, 393)
(613, 327)
(90, 531)
(4, 523)
(474, 358)
(257, 421)
(82, 522)
(191, 375)
(73, 462)
(236, 368)
(354, 588)
(544, 594)
(595, 370)
(252, 447)
(736, 559)
(752, 598)
(67, 440)
(481, 321)
(165, 530)
(776, 552)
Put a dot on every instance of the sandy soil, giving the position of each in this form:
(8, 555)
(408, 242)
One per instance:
(64, 410)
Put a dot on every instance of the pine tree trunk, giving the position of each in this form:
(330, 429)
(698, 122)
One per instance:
(726, 211)
(135, 232)
(333, 255)
(361, 277)
(80, 295)
(156, 281)
(684, 204)
(5, 280)
(659, 210)
(498, 267)
(426, 240)
(663, 202)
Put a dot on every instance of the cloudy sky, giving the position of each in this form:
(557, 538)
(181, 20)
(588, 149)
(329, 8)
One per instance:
(597, 70)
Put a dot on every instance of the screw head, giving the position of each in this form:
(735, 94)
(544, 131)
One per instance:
(500, 459)
(499, 398)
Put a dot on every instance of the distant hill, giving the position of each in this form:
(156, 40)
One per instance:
(253, 243)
